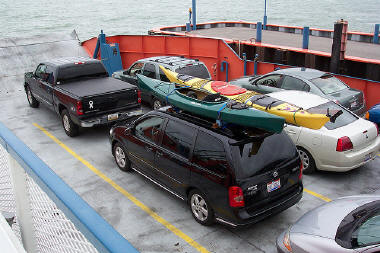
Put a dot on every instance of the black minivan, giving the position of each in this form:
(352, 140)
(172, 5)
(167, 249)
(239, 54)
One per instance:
(234, 175)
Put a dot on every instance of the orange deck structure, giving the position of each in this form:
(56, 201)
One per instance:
(213, 52)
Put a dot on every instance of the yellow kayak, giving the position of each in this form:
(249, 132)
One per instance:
(291, 113)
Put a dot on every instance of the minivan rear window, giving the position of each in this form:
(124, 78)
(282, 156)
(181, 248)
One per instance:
(198, 70)
(263, 155)
(344, 119)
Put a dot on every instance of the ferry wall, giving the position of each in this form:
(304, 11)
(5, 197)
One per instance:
(290, 55)
(213, 52)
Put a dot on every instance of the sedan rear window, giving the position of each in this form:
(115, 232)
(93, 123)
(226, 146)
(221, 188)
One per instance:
(329, 84)
(198, 70)
(263, 155)
(330, 107)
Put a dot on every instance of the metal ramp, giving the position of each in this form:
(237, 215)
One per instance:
(19, 55)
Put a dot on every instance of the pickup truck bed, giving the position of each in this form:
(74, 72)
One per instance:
(97, 86)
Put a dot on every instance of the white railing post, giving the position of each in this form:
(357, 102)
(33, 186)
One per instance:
(23, 209)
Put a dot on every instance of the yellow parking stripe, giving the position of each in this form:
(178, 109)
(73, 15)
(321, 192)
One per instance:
(317, 195)
(154, 215)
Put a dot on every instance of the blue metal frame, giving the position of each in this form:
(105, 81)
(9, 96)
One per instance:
(376, 34)
(305, 39)
(265, 16)
(259, 30)
(101, 234)
(222, 68)
(194, 9)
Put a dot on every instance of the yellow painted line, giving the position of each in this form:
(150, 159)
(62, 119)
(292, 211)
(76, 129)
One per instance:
(317, 195)
(154, 215)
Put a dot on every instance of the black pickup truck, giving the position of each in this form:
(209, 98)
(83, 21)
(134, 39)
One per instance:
(81, 92)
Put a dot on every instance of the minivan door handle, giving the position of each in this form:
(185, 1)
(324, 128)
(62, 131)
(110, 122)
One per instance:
(291, 132)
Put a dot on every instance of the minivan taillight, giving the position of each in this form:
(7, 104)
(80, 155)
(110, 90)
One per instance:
(79, 108)
(344, 143)
(301, 169)
(139, 96)
(235, 194)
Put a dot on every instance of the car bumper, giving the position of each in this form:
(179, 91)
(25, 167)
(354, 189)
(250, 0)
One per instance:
(106, 119)
(280, 243)
(247, 218)
(349, 160)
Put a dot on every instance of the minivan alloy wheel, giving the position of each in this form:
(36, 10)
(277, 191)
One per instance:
(199, 207)
(120, 156)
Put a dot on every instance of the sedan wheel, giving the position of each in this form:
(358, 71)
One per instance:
(307, 161)
(200, 208)
(156, 104)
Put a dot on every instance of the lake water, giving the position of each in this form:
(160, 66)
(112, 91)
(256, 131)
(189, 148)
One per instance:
(19, 18)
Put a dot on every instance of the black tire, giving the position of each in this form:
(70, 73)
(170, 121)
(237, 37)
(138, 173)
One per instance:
(31, 99)
(307, 160)
(121, 159)
(156, 103)
(71, 129)
(200, 208)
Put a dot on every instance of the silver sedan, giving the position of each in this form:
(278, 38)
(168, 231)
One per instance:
(349, 224)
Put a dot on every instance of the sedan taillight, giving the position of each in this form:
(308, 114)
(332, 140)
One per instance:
(344, 143)
(235, 194)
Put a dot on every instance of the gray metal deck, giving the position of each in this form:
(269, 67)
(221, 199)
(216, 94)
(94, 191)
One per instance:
(354, 48)
(144, 232)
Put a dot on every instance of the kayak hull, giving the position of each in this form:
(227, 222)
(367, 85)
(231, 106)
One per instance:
(222, 110)
(291, 113)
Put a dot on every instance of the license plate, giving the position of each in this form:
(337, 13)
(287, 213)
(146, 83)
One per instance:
(138, 112)
(367, 157)
(113, 116)
(272, 186)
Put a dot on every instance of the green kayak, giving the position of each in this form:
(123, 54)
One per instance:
(211, 105)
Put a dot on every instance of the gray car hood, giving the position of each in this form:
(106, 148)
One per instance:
(324, 220)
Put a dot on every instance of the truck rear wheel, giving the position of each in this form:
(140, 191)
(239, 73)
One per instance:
(71, 129)
(31, 99)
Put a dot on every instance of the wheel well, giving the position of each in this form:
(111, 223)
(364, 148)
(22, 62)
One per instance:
(113, 144)
(61, 108)
(189, 190)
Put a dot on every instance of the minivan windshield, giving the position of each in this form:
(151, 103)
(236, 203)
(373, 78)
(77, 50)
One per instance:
(263, 155)
(342, 120)
(198, 70)
(329, 84)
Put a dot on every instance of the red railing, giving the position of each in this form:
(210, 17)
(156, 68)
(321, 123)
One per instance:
(212, 52)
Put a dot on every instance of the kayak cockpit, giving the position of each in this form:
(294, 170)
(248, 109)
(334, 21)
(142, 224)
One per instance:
(201, 95)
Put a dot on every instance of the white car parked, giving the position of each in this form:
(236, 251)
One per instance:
(344, 145)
